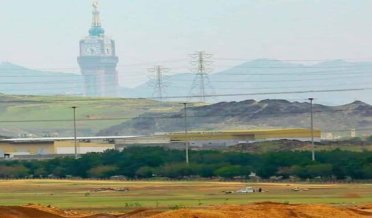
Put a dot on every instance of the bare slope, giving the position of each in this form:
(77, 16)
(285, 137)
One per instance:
(258, 210)
(254, 114)
(50, 115)
(267, 210)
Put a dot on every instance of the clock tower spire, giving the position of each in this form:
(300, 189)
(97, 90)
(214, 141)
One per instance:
(96, 18)
(98, 60)
(96, 29)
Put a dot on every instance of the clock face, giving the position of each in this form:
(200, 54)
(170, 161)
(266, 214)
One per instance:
(91, 50)
(108, 51)
(108, 48)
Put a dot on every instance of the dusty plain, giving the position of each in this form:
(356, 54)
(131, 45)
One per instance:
(78, 198)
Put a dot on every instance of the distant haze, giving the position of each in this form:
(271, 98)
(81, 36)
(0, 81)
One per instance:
(283, 80)
(44, 34)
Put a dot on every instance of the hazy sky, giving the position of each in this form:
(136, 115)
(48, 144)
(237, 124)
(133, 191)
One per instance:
(45, 33)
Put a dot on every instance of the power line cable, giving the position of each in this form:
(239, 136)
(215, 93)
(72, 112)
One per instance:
(194, 96)
(272, 93)
(180, 116)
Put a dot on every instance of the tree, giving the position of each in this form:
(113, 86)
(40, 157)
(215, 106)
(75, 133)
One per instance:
(40, 172)
(143, 162)
(229, 171)
(323, 170)
(59, 171)
(176, 170)
(367, 171)
(145, 172)
(16, 171)
(102, 171)
(299, 171)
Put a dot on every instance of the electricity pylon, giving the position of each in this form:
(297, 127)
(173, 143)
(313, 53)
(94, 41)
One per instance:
(159, 84)
(200, 65)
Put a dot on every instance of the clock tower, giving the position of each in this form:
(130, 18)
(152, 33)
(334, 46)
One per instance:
(98, 60)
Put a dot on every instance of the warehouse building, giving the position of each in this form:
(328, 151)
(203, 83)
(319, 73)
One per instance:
(11, 149)
(53, 147)
(234, 137)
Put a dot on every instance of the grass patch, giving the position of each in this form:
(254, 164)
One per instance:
(79, 195)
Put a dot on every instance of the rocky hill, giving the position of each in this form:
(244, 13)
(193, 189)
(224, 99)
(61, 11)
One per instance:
(338, 120)
(52, 115)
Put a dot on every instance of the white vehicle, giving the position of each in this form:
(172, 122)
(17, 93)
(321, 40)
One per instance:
(246, 190)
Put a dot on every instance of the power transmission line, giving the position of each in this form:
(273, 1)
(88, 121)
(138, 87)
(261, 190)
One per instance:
(339, 85)
(270, 93)
(76, 90)
(139, 64)
(202, 78)
(193, 96)
(75, 85)
(299, 73)
(296, 60)
(179, 116)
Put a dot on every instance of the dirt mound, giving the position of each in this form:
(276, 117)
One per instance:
(267, 210)
(102, 216)
(55, 211)
(140, 213)
(351, 195)
(365, 208)
(109, 189)
(39, 211)
(25, 212)
(258, 210)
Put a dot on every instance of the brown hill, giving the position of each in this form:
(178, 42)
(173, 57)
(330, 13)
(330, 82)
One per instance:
(25, 212)
(254, 114)
(258, 210)
(267, 210)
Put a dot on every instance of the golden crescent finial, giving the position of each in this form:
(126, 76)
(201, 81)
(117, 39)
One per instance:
(95, 5)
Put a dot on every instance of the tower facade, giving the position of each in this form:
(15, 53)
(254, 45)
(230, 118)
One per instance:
(98, 60)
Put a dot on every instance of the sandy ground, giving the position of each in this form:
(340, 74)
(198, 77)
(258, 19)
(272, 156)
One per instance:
(258, 210)
(86, 199)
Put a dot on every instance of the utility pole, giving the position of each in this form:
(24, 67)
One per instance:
(312, 129)
(186, 139)
(201, 60)
(159, 80)
(75, 139)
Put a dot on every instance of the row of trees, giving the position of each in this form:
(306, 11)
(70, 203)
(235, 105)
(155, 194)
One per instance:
(147, 162)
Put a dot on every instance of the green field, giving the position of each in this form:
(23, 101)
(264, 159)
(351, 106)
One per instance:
(34, 108)
(83, 195)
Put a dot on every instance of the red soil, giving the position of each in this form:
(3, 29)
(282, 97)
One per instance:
(258, 210)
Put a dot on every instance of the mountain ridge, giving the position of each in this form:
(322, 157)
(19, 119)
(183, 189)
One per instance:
(256, 76)
(275, 76)
(21, 80)
(248, 114)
